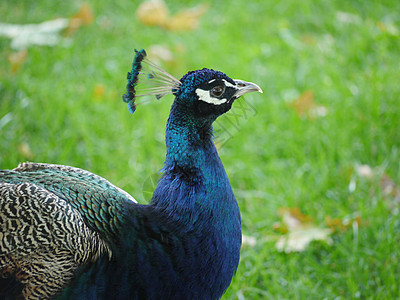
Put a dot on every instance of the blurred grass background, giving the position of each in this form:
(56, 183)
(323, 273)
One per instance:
(64, 106)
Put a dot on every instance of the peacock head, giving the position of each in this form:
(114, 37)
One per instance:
(204, 93)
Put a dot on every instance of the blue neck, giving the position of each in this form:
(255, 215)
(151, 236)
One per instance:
(195, 193)
(194, 178)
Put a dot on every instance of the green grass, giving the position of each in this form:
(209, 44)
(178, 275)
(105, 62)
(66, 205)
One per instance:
(276, 159)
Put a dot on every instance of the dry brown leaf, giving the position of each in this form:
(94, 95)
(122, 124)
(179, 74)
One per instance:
(156, 13)
(390, 192)
(365, 171)
(308, 39)
(292, 217)
(299, 239)
(389, 28)
(305, 106)
(98, 91)
(304, 103)
(389, 189)
(280, 227)
(299, 230)
(25, 150)
(84, 16)
(16, 59)
(339, 225)
(153, 13)
(187, 19)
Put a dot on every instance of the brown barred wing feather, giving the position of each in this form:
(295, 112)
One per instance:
(43, 239)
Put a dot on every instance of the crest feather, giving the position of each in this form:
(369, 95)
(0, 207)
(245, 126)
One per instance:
(154, 81)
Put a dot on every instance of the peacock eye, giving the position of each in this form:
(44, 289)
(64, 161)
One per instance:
(217, 91)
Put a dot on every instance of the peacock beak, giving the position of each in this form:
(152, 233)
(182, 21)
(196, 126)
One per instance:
(244, 87)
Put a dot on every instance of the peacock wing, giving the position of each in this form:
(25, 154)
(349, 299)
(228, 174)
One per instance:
(101, 204)
(43, 240)
(53, 219)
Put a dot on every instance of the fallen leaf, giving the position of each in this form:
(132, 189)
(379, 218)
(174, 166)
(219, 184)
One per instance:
(84, 16)
(153, 13)
(298, 240)
(16, 59)
(389, 189)
(341, 225)
(300, 231)
(390, 192)
(187, 19)
(45, 33)
(25, 150)
(280, 227)
(98, 91)
(156, 13)
(389, 28)
(292, 217)
(365, 171)
(308, 39)
(305, 106)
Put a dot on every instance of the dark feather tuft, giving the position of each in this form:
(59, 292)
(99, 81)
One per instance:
(133, 77)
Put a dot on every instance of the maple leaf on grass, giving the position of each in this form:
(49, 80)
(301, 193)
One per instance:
(341, 225)
(156, 13)
(16, 60)
(305, 106)
(25, 150)
(389, 189)
(84, 16)
(296, 230)
(300, 231)
(390, 193)
(187, 19)
(153, 13)
(48, 32)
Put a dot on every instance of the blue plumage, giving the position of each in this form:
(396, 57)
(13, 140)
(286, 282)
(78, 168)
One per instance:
(184, 245)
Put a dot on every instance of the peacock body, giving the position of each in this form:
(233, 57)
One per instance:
(67, 233)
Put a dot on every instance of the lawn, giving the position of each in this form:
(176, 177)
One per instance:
(330, 74)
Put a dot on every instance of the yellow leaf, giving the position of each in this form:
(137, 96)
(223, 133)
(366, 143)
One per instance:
(300, 231)
(339, 225)
(365, 171)
(298, 240)
(280, 227)
(390, 192)
(187, 19)
(156, 13)
(293, 218)
(16, 60)
(98, 91)
(153, 13)
(25, 150)
(84, 16)
(389, 28)
(305, 106)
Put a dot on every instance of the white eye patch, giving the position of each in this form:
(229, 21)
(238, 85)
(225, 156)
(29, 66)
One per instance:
(204, 95)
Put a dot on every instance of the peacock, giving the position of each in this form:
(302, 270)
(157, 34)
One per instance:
(67, 233)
